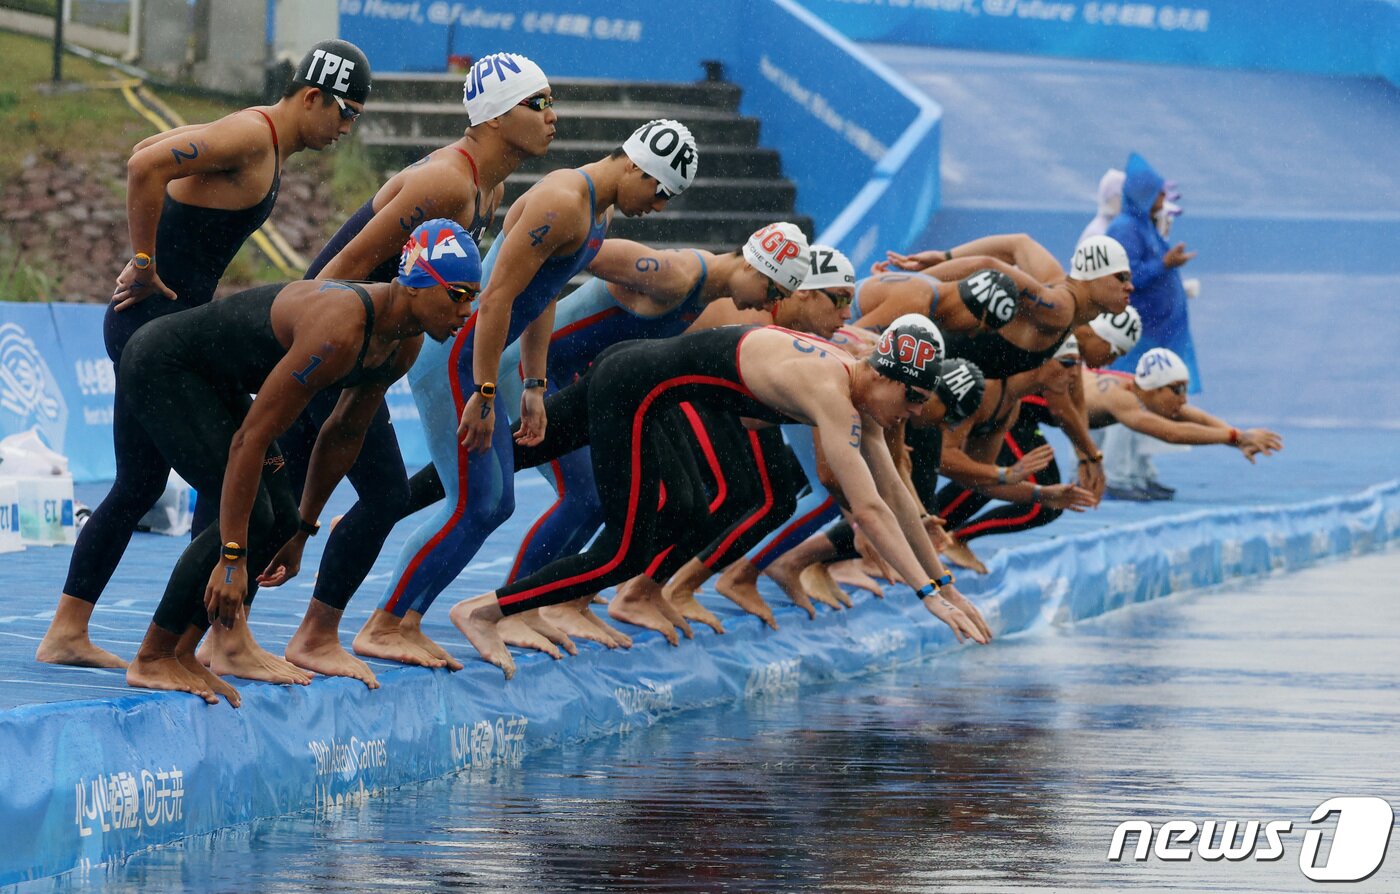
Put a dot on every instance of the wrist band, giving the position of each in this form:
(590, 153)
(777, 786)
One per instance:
(947, 255)
(1001, 474)
(1234, 436)
(1096, 458)
(945, 580)
(232, 551)
(138, 259)
(927, 590)
(310, 529)
(533, 383)
(486, 389)
(1035, 494)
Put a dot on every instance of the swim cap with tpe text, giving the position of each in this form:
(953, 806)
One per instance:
(443, 246)
(664, 149)
(910, 350)
(1098, 256)
(779, 251)
(497, 83)
(337, 67)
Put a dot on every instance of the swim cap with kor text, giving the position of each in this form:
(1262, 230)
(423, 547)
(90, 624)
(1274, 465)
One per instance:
(664, 149)
(1122, 330)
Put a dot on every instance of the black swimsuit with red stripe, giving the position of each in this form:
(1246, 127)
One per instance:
(630, 393)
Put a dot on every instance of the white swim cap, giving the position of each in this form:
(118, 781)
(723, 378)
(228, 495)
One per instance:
(497, 83)
(1121, 331)
(1158, 368)
(1098, 256)
(1068, 348)
(779, 251)
(665, 149)
(829, 269)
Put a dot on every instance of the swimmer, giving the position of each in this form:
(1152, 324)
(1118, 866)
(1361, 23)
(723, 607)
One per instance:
(194, 196)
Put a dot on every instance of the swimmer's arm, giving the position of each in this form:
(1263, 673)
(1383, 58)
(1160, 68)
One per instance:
(173, 132)
(874, 449)
(225, 145)
(664, 276)
(1069, 408)
(1196, 414)
(825, 477)
(1130, 412)
(549, 222)
(895, 306)
(955, 463)
(342, 436)
(315, 360)
(384, 235)
(1017, 249)
(1045, 308)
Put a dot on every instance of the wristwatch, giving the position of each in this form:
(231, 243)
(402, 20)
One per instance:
(233, 552)
(141, 260)
(486, 389)
(310, 529)
(533, 383)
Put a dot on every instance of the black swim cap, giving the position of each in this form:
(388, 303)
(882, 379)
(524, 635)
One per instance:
(960, 388)
(335, 66)
(910, 351)
(991, 297)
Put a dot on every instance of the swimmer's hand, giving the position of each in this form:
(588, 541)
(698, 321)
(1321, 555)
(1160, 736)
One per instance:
(950, 614)
(478, 424)
(532, 418)
(286, 564)
(1067, 496)
(136, 285)
(1259, 440)
(1092, 479)
(894, 261)
(963, 604)
(228, 585)
(937, 532)
(1031, 463)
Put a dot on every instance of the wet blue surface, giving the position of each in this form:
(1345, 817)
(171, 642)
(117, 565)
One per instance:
(993, 769)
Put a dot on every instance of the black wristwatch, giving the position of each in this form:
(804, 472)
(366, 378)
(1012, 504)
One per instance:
(310, 529)
(486, 389)
(233, 552)
(533, 383)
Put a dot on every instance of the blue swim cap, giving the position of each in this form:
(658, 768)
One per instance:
(443, 247)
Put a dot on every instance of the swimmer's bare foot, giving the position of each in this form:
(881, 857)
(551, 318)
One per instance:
(217, 684)
(316, 646)
(585, 608)
(633, 605)
(570, 621)
(412, 629)
(960, 554)
(790, 579)
(477, 618)
(682, 596)
(67, 641)
(817, 579)
(232, 652)
(382, 637)
(739, 584)
(156, 667)
(852, 573)
(536, 622)
(657, 597)
(517, 633)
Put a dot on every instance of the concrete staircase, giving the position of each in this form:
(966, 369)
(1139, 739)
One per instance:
(740, 185)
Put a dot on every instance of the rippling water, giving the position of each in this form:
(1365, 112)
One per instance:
(994, 769)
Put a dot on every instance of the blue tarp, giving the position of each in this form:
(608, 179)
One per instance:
(91, 781)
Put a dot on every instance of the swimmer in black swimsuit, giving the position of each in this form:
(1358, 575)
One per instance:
(189, 377)
(194, 195)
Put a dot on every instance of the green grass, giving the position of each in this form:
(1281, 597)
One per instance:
(83, 123)
(20, 280)
(42, 7)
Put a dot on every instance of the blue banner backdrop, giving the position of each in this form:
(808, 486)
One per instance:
(1343, 37)
(54, 374)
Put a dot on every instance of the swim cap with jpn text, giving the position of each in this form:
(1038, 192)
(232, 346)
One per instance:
(910, 350)
(445, 248)
(664, 149)
(1098, 256)
(497, 83)
(337, 67)
(1159, 368)
(779, 251)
